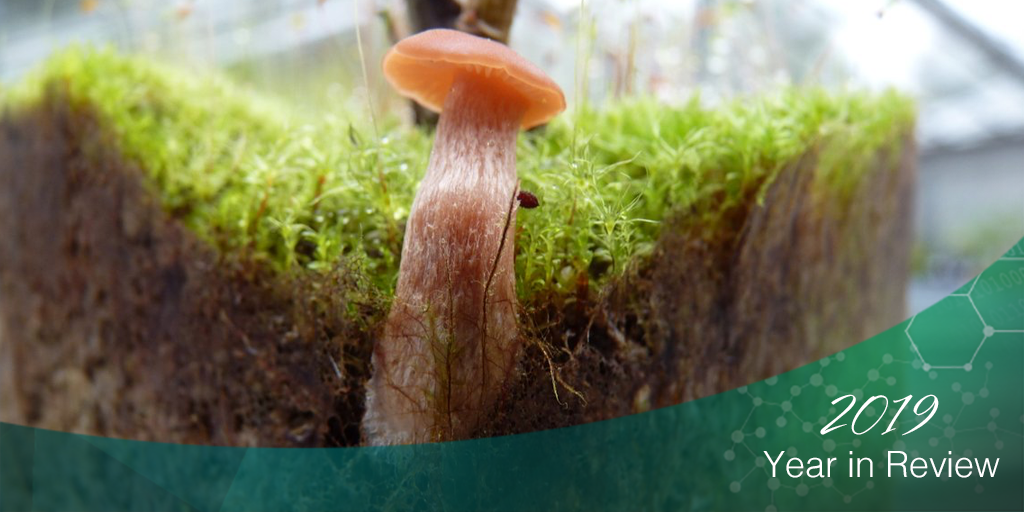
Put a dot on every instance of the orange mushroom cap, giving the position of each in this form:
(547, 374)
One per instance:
(424, 65)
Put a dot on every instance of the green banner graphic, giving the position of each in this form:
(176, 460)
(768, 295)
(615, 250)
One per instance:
(928, 415)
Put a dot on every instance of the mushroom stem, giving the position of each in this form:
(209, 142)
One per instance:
(450, 341)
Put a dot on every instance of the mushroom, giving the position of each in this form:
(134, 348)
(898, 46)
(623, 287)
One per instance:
(450, 342)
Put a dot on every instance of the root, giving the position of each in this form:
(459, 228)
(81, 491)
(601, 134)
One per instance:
(557, 379)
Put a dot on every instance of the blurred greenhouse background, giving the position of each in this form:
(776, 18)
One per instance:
(963, 60)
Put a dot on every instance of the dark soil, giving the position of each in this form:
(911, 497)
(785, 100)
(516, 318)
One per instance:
(115, 320)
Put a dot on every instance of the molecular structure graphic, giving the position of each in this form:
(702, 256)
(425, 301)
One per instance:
(987, 330)
(959, 426)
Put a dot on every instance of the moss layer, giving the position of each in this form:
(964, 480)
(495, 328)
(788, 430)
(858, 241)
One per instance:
(251, 175)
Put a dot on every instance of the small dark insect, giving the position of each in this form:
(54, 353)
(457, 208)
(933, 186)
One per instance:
(527, 200)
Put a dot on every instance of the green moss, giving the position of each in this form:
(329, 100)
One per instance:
(251, 175)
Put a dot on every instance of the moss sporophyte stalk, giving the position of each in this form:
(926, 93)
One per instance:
(316, 196)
